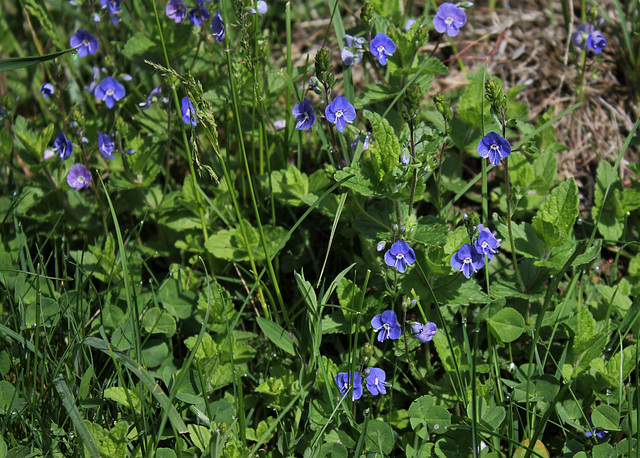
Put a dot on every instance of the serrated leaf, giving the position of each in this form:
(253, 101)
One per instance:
(373, 93)
(555, 218)
(385, 149)
(137, 45)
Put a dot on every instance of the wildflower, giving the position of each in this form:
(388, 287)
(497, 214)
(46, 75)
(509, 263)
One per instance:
(381, 246)
(387, 322)
(314, 82)
(365, 145)
(495, 147)
(106, 145)
(94, 82)
(343, 380)
(261, 8)
(409, 24)
(424, 333)
(113, 6)
(109, 90)
(467, 260)
(188, 111)
(88, 44)
(96, 17)
(587, 37)
(303, 112)
(197, 15)
(449, 18)
(340, 112)
(47, 90)
(351, 53)
(151, 97)
(591, 432)
(217, 27)
(176, 10)
(487, 243)
(381, 47)
(79, 177)
(400, 255)
(375, 381)
(406, 158)
(62, 146)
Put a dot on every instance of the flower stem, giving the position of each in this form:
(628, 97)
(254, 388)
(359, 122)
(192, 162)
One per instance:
(511, 243)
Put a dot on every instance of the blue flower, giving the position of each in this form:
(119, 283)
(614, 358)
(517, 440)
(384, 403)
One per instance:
(217, 27)
(176, 10)
(151, 97)
(47, 90)
(467, 260)
(424, 333)
(262, 8)
(113, 6)
(593, 432)
(375, 381)
(188, 111)
(381, 47)
(409, 24)
(449, 18)
(79, 177)
(587, 37)
(486, 243)
(405, 159)
(340, 112)
(351, 53)
(87, 42)
(106, 145)
(495, 147)
(400, 255)
(381, 246)
(62, 146)
(365, 145)
(109, 90)
(303, 112)
(343, 380)
(197, 15)
(387, 322)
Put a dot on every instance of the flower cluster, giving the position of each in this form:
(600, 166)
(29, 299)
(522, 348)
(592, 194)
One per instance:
(469, 258)
(199, 15)
(113, 7)
(587, 37)
(375, 383)
(353, 52)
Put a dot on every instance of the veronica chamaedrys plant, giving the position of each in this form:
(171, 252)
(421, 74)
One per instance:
(198, 15)
(106, 146)
(382, 47)
(47, 90)
(343, 380)
(79, 177)
(110, 91)
(155, 92)
(449, 19)
(424, 333)
(375, 381)
(340, 112)
(486, 244)
(353, 52)
(188, 111)
(303, 112)
(386, 323)
(587, 37)
(113, 6)
(176, 10)
(400, 255)
(467, 260)
(494, 147)
(88, 44)
(62, 146)
(217, 27)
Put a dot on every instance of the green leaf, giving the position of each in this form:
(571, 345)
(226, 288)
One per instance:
(611, 224)
(159, 321)
(606, 417)
(333, 450)
(555, 218)
(276, 334)
(493, 418)
(385, 149)
(200, 435)
(472, 100)
(506, 325)
(137, 45)
(605, 451)
(379, 437)
(230, 245)
(289, 186)
(177, 301)
(124, 396)
(373, 93)
(14, 63)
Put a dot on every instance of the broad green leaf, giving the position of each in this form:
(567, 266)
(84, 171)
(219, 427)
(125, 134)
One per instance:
(159, 321)
(493, 418)
(177, 301)
(606, 417)
(555, 218)
(622, 364)
(230, 245)
(124, 396)
(385, 149)
(506, 325)
(138, 45)
(379, 437)
(44, 313)
(154, 352)
(470, 108)
(431, 231)
(604, 451)
(611, 224)
(200, 435)
(276, 334)
(417, 415)
(288, 186)
(333, 450)
(373, 93)
(538, 448)
(438, 419)
(9, 401)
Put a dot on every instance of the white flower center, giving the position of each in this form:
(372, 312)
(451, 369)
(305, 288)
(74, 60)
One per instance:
(467, 260)
(380, 49)
(110, 92)
(80, 180)
(448, 20)
(339, 114)
(399, 256)
(495, 147)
